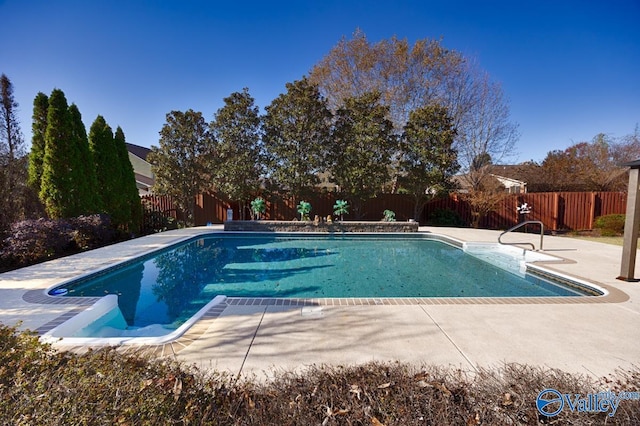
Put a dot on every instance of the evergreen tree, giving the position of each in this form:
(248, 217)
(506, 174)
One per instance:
(236, 132)
(87, 200)
(429, 160)
(180, 163)
(127, 189)
(38, 130)
(362, 145)
(58, 188)
(105, 160)
(297, 131)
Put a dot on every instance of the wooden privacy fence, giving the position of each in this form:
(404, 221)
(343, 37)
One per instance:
(557, 210)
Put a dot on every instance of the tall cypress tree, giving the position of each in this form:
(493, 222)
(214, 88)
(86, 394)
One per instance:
(105, 159)
(84, 175)
(128, 191)
(38, 130)
(58, 186)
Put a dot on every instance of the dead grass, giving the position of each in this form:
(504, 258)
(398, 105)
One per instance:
(617, 241)
(39, 386)
(595, 236)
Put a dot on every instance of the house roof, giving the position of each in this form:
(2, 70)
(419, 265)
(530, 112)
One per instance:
(515, 172)
(138, 151)
(507, 175)
(146, 180)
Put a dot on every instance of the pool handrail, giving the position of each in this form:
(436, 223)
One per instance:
(526, 222)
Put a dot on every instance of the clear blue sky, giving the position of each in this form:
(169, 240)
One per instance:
(570, 69)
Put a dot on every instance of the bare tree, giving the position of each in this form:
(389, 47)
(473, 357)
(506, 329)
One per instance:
(407, 76)
(410, 77)
(481, 116)
(13, 168)
(11, 139)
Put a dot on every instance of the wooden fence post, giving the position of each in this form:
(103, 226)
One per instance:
(592, 209)
(556, 210)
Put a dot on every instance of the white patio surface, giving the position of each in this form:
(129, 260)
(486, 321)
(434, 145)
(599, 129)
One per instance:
(589, 338)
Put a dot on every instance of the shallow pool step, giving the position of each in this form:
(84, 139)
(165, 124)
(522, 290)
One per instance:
(500, 260)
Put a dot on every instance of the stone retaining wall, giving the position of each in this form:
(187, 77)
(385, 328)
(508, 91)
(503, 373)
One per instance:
(308, 226)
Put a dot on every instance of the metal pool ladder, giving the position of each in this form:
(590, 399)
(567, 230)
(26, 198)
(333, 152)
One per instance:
(513, 228)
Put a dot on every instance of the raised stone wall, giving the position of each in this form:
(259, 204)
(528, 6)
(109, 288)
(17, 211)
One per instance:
(308, 226)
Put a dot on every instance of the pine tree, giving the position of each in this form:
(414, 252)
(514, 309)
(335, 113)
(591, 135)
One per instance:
(58, 187)
(38, 130)
(127, 189)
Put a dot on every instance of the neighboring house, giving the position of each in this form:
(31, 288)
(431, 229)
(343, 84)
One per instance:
(141, 168)
(506, 175)
(510, 176)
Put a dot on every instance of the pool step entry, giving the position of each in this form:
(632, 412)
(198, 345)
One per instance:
(509, 258)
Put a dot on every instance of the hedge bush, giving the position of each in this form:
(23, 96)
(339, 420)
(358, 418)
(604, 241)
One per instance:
(40, 386)
(610, 225)
(37, 240)
(445, 217)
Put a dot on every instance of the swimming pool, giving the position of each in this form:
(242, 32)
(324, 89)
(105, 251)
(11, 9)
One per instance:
(159, 292)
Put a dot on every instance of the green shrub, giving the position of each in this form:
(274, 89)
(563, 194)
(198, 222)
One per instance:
(610, 225)
(154, 220)
(445, 217)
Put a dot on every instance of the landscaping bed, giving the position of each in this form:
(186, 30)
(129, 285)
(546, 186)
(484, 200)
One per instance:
(309, 226)
(41, 386)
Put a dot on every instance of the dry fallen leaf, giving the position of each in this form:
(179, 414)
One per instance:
(146, 383)
(441, 387)
(376, 422)
(421, 376)
(177, 388)
(250, 402)
(506, 399)
(355, 389)
(472, 421)
(384, 385)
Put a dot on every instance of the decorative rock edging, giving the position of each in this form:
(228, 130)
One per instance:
(309, 226)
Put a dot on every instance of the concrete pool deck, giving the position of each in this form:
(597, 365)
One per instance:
(592, 337)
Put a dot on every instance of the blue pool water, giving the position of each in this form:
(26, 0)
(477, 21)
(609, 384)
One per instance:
(170, 286)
